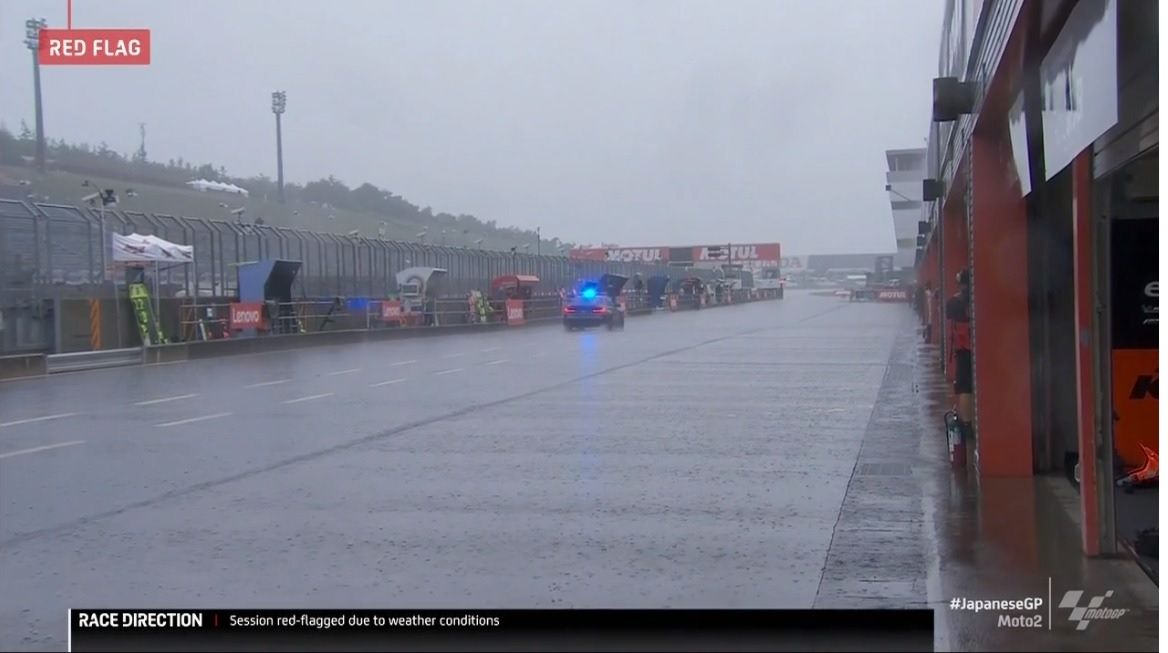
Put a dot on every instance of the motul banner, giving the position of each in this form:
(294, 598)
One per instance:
(514, 312)
(750, 255)
(247, 315)
(731, 253)
(892, 295)
(622, 254)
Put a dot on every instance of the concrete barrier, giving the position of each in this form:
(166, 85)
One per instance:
(235, 346)
(17, 366)
(36, 364)
(92, 360)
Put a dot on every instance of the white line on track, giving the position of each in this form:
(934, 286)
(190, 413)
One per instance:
(309, 398)
(163, 400)
(491, 349)
(193, 420)
(267, 383)
(389, 382)
(401, 363)
(36, 419)
(498, 362)
(47, 447)
(340, 372)
(450, 371)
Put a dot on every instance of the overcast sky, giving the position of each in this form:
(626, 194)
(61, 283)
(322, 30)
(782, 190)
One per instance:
(641, 122)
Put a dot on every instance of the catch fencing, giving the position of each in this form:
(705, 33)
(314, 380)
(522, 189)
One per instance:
(52, 251)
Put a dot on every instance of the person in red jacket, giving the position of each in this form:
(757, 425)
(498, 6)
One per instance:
(958, 313)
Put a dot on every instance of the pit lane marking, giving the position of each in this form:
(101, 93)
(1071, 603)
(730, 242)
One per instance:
(193, 420)
(36, 419)
(308, 398)
(389, 382)
(450, 371)
(267, 383)
(47, 447)
(498, 362)
(163, 400)
(340, 372)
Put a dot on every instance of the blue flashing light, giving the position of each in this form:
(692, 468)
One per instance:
(588, 293)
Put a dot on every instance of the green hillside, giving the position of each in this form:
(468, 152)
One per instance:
(327, 205)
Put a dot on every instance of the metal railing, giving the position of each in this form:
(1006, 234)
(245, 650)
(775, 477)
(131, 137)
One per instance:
(50, 250)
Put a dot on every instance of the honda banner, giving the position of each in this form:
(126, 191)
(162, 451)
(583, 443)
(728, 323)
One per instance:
(247, 315)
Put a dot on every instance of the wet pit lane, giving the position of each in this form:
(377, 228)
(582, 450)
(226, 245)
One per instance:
(756, 456)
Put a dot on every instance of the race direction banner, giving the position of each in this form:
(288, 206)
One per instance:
(499, 630)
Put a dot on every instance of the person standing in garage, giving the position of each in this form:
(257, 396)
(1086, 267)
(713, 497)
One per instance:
(958, 312)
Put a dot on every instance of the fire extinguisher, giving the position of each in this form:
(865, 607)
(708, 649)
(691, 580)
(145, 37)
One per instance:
(955, 440)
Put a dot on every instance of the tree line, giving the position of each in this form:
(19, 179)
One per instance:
(100, 160)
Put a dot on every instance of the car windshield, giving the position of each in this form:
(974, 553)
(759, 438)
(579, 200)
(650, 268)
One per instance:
(819, 324)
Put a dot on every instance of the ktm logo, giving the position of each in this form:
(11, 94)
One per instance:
(1146, 385)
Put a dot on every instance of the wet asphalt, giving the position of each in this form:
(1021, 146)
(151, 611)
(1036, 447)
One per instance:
(768, 455)
(696, 459)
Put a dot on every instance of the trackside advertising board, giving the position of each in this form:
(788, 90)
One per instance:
(752, 256)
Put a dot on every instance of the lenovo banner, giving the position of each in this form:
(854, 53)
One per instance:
(514, 312)
(391, 310)
(247, 315)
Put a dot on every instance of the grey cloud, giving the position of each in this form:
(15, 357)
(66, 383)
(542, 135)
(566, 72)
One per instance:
(640, 122)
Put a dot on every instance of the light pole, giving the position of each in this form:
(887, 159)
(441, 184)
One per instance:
(537, 241)
(32, 33)
(279, 103)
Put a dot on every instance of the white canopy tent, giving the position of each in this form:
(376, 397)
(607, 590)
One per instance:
(206, 185)
(145, 249)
